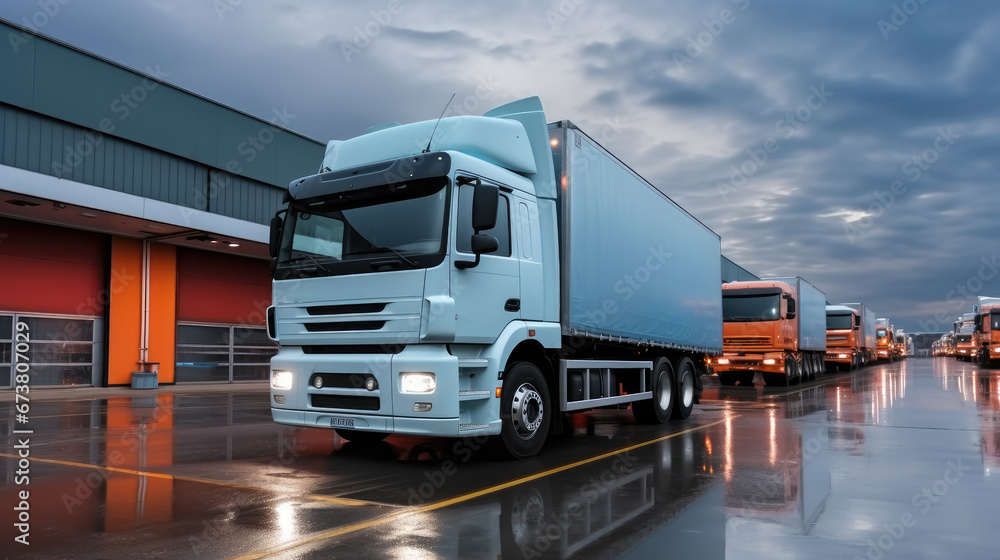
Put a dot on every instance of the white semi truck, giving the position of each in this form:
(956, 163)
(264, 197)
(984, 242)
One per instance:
(482, 276)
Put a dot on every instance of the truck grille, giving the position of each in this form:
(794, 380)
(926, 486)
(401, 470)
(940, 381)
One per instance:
(747, 340)
(347, 402)
(344, 309)
(345, 326)
(836, 338)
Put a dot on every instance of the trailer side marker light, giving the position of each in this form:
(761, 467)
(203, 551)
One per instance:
(498, 392)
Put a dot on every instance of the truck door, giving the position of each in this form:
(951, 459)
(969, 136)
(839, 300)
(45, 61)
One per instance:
(488, 296)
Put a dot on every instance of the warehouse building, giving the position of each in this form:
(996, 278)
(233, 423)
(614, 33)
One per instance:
(133, 221)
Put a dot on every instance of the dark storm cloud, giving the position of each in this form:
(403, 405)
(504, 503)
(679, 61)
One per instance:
(716, 103)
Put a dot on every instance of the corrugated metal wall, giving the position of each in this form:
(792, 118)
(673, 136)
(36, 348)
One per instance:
(37, 143)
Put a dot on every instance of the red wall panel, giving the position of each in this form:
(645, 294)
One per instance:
(220, 288)
(48, 269)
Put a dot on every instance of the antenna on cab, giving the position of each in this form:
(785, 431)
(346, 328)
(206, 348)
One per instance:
(429, 140)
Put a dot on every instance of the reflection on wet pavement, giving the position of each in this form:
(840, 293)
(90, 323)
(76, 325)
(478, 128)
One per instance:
(897, 460)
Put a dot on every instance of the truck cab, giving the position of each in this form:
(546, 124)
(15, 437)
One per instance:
(986, 333)
(965, 347)
(770, 326)
(843, 334)
(885, 340)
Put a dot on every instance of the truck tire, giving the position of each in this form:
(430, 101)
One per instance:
(782, 379)
(525, 410)
(359, 436)
(684, 401)
(658, 409)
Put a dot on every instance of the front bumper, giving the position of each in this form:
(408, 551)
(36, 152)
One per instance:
(442, 427)
(343, 402)
(749, 361)
(836, 357)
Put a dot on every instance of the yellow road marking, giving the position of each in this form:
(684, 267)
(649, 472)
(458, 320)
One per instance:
(321, 498)
(463, 498)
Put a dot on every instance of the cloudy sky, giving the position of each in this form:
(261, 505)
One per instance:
(852, 142)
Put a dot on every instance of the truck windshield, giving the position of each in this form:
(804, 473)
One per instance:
(881, 333)
(839, 322)
(387, 228)
(967, 328)
(750, 308)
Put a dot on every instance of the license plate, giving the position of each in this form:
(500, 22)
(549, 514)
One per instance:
(342, 422)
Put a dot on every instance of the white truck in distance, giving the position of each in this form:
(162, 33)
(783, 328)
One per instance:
(481, 276)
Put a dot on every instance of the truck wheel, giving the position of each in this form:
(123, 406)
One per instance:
(808, 368)
(359, 436)
(727, 378)
(684, 403)
(524, 410)
(658, 409)
(782, 379)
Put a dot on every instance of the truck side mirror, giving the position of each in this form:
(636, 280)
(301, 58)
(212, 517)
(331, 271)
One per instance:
(857, 322)
(485, 200)
(790, 314)
(978, 321)
(275, 239)
(484, 244)
(485, 203)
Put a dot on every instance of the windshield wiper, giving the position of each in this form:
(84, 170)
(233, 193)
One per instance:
(383, 250)
(312, 260)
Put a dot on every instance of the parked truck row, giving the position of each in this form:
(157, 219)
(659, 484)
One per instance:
(975, 336)
(485, 276)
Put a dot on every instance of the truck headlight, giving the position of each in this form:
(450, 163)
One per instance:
(281, 379)
(769, 362)
(417, 382)
(723, 361)
(997, 350)
(841, 356)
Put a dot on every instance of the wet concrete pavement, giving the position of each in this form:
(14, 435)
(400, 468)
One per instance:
(899, 460)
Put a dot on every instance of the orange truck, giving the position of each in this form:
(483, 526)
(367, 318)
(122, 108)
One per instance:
(774, 326)
(965, 347)
(885, 340)
(987, 331)
(850, 336)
